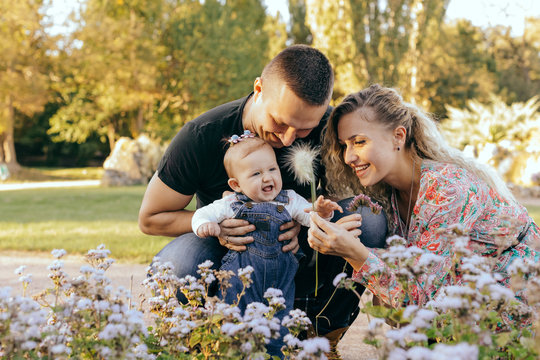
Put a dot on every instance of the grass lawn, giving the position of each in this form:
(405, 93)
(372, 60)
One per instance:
(534, 212)
(77, 219)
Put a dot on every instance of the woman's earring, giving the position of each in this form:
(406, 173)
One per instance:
(398, 148)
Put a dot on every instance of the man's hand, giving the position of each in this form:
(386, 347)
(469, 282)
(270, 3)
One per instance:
(293, 229)
(232, 234)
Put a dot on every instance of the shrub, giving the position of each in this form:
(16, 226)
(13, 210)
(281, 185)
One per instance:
(503, 136)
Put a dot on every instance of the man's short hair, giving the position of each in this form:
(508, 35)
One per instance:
(305, 70)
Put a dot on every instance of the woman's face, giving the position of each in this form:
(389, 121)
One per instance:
(368, 147)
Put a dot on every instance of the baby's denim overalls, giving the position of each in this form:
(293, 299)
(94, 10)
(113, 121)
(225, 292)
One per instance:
(272, 267)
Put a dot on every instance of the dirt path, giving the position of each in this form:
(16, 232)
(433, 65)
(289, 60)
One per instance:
(47, 184)
(131, 276)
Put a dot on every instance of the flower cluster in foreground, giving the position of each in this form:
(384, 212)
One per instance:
(86, 318)
(475, 318)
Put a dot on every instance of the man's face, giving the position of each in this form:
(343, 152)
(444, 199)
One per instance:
(278, 116)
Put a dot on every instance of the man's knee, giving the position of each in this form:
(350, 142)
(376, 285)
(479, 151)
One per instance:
(187, 251)
(374, 226)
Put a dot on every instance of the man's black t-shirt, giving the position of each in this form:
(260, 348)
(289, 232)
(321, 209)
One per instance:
(193, 162)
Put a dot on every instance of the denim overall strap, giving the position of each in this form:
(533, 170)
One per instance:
(282, 197)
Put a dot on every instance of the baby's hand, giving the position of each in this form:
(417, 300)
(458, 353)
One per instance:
(325, 207)
(208, 229)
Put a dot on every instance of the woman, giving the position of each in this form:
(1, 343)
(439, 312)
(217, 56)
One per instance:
(381, 146)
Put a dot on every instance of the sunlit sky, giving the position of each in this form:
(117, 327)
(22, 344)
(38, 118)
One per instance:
(481, 12)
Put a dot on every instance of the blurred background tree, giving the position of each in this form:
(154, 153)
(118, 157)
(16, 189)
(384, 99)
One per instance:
(23, 70)
(128, 67)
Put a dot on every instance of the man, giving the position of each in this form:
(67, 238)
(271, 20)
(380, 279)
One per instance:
(289, 104)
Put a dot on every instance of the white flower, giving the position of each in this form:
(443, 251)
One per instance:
(60, 349)
(375, 323)
(56, 265)
(419, 353)
(246, 347)
(300, 160)
(206, 265)
(84, 304)
(462, 351)
(428, 259)
(246, 271)
(26, 278)
(315, 345)
(397, 354)
(19, 270)
(423, 318)
(292, 341)
(338, 278)
(29, 345)
(58, 253)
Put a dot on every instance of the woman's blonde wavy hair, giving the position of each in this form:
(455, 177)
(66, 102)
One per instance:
(423, 139)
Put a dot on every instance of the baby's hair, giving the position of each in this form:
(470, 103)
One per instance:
(237, 151)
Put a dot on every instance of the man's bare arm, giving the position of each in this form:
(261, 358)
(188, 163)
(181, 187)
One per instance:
(162, 210)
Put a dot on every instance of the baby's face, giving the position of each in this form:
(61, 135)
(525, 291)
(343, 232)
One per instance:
(258, 175)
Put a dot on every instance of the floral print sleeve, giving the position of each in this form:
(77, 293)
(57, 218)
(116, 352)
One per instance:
(448, 195)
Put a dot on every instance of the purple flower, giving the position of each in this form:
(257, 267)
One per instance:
(364, 200)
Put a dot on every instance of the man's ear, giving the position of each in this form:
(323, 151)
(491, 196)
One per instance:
(233, 183)
(257, 89)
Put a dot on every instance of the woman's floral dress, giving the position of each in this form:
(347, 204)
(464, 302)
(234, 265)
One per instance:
(450, 195)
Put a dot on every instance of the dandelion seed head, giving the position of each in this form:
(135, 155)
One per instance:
(300, 161)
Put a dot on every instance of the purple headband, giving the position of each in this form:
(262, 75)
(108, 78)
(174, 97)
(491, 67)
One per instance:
(235, 139)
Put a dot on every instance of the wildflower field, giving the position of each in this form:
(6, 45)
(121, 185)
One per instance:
(84, 317)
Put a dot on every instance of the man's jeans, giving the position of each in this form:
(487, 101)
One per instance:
(188, 250)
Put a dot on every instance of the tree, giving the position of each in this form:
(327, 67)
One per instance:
(23, 81)
(213, 52)
(331, 27)
(517, 60)
(299, 30)
(457, 68)
(371, 41)
(110, 86)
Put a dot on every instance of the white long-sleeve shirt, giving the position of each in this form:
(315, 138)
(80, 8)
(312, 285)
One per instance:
(221, 209)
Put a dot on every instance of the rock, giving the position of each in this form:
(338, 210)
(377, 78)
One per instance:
(132, 162)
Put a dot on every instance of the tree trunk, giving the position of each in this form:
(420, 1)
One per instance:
(417, 9)
(140, 120)
(2, 156)
(8, 143)
(111, 135)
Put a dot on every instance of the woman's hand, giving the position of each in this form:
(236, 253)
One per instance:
(340, 238)
(232, 234)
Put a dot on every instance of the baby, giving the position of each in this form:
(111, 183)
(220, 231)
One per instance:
(255, 177)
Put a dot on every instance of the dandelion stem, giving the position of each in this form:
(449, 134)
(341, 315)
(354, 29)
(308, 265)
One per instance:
(313, 198)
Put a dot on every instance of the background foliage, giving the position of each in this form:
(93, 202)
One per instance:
(133, 66)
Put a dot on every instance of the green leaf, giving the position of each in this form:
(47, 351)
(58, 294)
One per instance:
(502, 339)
